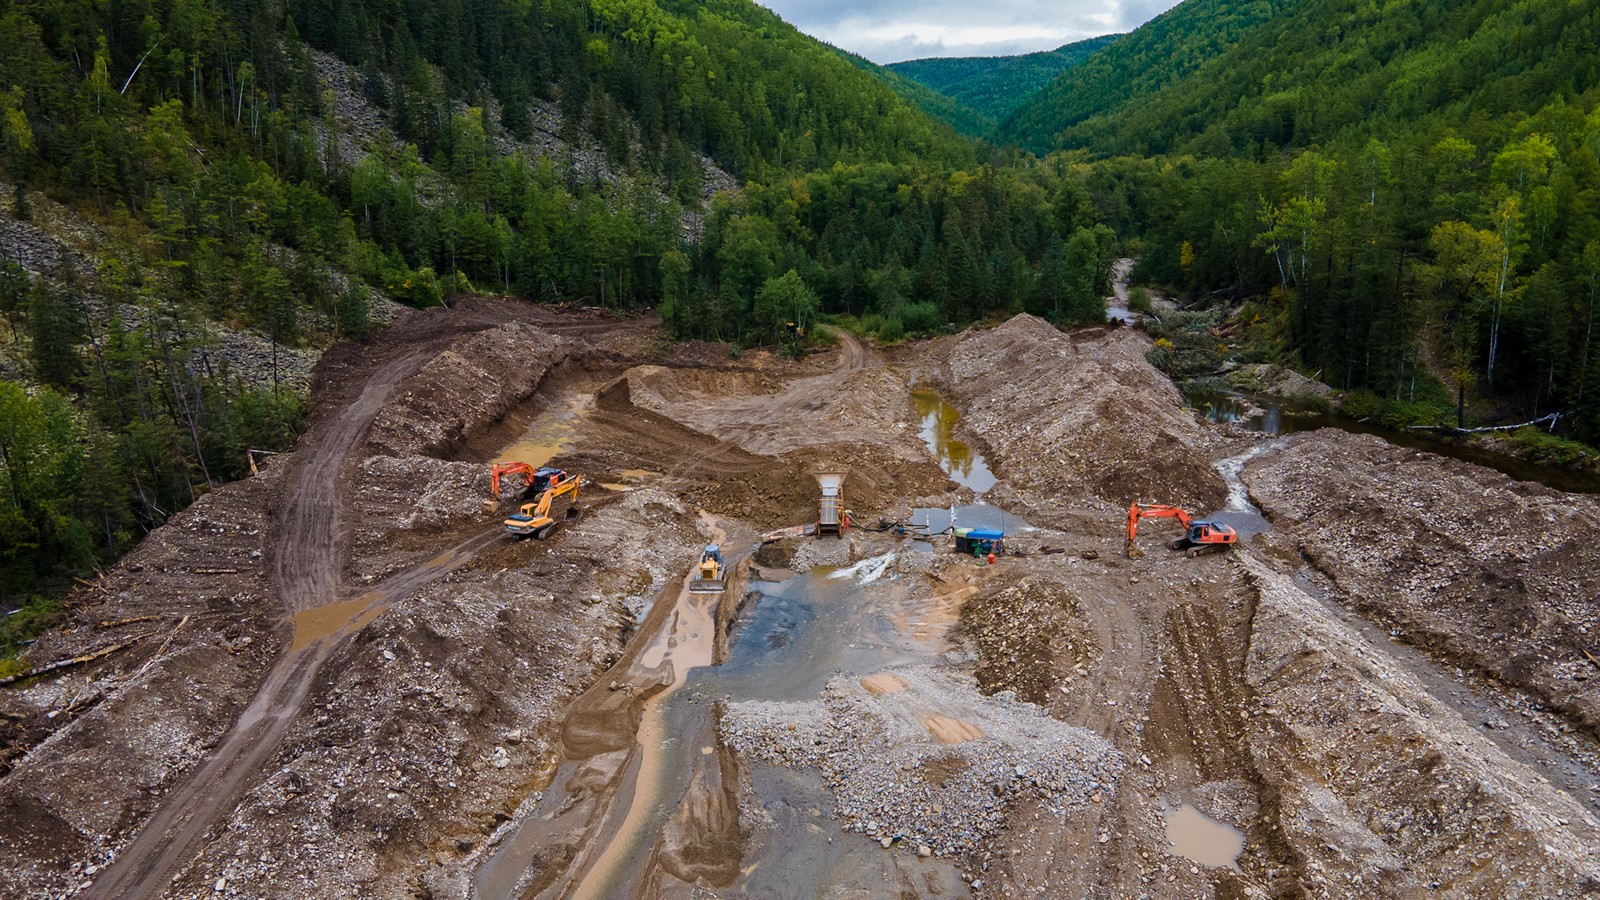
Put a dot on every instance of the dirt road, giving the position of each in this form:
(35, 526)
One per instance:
(307, 565)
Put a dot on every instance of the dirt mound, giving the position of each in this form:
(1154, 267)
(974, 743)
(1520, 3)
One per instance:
(763, 415)
(1285, 384)
(1028, 636)
(469, 386)
(404, 508)
(1380, 786)
(1496, 575)
(1064, 415)
(659, 388)
(716, 474)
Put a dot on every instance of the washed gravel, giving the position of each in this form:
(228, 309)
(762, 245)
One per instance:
(893, 782)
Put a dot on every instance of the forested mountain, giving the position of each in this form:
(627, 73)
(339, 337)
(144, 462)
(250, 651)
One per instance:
(995, 85)
(963, 118)
(1319, 71)
(1410, 194)
(185, 178)
(1132, 68)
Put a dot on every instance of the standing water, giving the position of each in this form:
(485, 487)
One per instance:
(1265, 415)
(964, 465)
(546, 435)
(1197, 837)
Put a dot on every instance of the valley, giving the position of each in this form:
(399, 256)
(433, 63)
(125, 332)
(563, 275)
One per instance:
(372, 691)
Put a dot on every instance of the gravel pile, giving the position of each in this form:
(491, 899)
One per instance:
(1030, 636)
(466, 388)
(893, 782)
(1413, 795)
(1496, 575)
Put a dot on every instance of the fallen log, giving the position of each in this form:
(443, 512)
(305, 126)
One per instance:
(67, 663)
(118, 623)
(1451, 429)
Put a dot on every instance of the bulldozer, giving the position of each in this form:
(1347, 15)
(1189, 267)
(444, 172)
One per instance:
(713, 572)
(550, 488)
(1199, 538)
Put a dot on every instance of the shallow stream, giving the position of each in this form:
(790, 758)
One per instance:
(1268, 416)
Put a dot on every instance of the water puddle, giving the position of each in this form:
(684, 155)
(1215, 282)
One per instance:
(548, 434)
(1199, 838)
(334, 618)
(964, 465)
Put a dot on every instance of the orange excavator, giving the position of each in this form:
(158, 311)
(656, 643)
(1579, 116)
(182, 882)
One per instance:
(1199, 538)
(548, 486)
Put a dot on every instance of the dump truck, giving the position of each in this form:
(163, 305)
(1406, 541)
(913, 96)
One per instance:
(712, 570)
(1198, 538)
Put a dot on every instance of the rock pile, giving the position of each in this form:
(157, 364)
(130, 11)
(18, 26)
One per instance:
(466, 388)
(1425, 545)
(930, 765)
(1028, 636)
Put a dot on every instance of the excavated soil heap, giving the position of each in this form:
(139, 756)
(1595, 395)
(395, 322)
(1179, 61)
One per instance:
(1066, 415)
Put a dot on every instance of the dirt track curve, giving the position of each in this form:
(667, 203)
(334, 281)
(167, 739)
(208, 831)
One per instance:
(307, 562)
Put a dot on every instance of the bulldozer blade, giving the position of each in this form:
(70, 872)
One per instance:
(706, 586)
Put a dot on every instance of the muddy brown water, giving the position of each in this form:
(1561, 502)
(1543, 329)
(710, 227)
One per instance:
(548, 434)
(956, 457)
(1199, 838)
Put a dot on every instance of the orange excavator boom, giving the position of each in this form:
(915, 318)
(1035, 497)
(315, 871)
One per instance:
(1154, 511)
(511, 468)
(1198, 537)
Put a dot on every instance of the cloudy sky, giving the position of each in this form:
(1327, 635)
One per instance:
(886, 31)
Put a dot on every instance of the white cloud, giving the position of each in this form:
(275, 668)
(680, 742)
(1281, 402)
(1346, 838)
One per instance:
(892, 30)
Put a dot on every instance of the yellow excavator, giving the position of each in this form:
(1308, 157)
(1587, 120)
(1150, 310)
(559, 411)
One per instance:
(550, 487)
